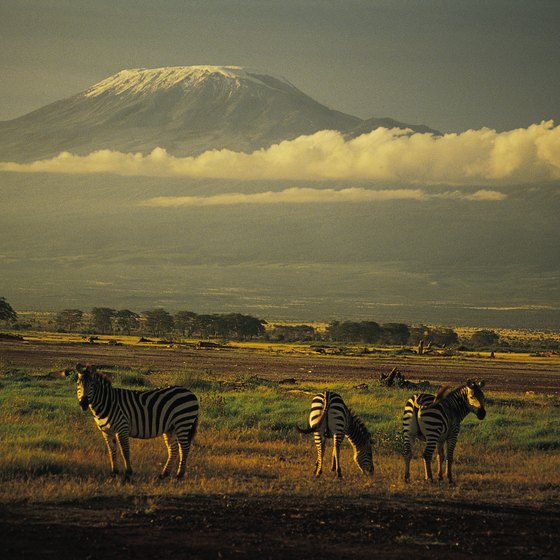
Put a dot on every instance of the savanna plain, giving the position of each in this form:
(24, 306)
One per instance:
(250, 490)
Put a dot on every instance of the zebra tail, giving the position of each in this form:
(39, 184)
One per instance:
(305, 430)
(194, 428)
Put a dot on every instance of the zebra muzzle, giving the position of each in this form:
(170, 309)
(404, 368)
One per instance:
(481, 414)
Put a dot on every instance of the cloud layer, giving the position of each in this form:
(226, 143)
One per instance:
(525, 155)
(296, 195)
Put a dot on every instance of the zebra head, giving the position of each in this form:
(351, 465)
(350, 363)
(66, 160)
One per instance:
(476, 399)
(360, 439)
(85, 384)
(364, 458)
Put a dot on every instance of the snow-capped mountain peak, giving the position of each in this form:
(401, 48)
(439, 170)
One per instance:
(140, 81)
(185, 109)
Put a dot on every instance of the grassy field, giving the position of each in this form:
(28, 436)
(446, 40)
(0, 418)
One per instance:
(51, 451)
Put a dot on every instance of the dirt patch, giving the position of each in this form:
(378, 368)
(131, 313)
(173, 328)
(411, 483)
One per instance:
(500, 375)
(244, 527)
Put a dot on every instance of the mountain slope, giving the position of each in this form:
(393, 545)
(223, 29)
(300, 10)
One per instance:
(185, 110)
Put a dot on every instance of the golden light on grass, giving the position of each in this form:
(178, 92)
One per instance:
(51, 451)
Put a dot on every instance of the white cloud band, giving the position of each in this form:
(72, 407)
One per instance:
(526, 155)
(296, 195)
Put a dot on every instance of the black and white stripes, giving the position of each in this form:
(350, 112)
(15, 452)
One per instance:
(437, 421)
(121, 414)
(329, 417)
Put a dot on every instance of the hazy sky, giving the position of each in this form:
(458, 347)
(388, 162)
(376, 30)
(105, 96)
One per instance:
(452, 65)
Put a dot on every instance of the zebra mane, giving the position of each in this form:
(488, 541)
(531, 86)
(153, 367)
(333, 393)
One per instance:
(92, 370)
(103, 376)
(443, 392)
(446, 394)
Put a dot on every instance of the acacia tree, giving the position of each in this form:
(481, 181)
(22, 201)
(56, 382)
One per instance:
(185, 322)
(101, 319)
(6, 311)
(126, 321)
(158, 321)
(352, 331)
(293, 333)
(483, 338)
(69, 319)
(395, 334)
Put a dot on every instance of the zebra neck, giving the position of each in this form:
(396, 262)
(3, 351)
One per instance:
(456, 405)
(102, 398)
(357, 433)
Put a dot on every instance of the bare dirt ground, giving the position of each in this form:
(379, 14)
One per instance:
(250, 527)
(500, 374)
(200, 527)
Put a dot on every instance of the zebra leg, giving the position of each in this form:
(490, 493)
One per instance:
(450, 450)
(410, 432)
(320, 446)
(431, 445)
(172, 445)
(184, 447)
(407, 455)
(337, 440)
(441, 460)
(122, 440)
(112, 448)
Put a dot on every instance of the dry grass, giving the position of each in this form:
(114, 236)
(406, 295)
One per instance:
(286, 470)
(51, 451)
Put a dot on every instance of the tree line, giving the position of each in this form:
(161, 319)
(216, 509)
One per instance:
(160, 323)
(236, 326)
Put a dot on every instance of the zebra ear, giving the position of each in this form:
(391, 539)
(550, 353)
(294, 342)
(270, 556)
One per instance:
(482, 383)
(80, 368)
(470, 383)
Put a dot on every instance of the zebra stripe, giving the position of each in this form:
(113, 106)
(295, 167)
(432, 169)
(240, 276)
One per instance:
(121, 414)
(437, 421)
(329, 417)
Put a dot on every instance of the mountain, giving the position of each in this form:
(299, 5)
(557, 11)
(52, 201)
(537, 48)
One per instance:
(371, 124)
(186, 110)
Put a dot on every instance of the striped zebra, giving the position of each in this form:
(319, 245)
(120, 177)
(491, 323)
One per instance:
(331, 418)
(437, 421)
(121, 414)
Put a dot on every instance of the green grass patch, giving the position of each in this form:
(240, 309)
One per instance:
(247, 441)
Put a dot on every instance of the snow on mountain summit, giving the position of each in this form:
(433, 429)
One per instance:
(150, 80)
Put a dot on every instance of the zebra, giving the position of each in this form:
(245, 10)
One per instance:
(437, 421)
(123, 413)
(331, 418)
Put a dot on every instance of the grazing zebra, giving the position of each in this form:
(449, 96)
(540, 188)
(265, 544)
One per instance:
(437, 421)
(122, 413)
(330, 417)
